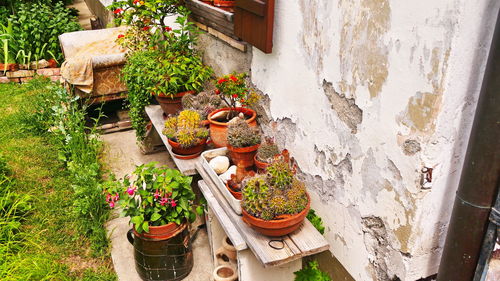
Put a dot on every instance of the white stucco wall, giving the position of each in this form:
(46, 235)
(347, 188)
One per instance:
(365, 93)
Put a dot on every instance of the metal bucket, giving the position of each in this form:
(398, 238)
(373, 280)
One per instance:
(168, 259)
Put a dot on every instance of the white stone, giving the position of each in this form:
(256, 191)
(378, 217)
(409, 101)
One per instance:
(227, 175)
(219, 164)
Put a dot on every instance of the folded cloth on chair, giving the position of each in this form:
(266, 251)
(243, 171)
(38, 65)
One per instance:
(98, 52)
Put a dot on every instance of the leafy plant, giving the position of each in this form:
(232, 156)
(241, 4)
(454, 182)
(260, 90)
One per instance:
(268, 196)
(267, 150)
(240, 134)
(153, 196)
(152, 72)
(311, 272)
(233, 91)
(316, 221)
(36, 28)
(186, 129)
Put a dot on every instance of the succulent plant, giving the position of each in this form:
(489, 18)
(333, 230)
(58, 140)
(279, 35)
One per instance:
(185, 128)
(278, 192)
(203, 103)
(267, 151)
(280, 174)
(240, 134)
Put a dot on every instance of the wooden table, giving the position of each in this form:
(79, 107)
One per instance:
(187, 167)
(265, 263)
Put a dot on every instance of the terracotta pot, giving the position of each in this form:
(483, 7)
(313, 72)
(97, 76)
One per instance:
(162, 232)
(218, 130)
(171, 105)
(184, 153)
(52, 63)
(224, 3)
(10, 67)
(236, 194)
(261, 166)
(243, 156)
(225, 273)
(278, 227)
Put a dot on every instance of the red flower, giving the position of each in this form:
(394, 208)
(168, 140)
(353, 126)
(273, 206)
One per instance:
(117, 11)
(233, 78)
(217, 91)
(221, 81)
(235, 95)
(121, 36)
(173, 204)
(136, 1)
(168, 28)
(145, 28)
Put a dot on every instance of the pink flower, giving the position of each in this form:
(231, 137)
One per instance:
(163, 201)
(108, 196)
(116, 197)
(111, 204)
(131, 190)
(173, 204)
(157, 194)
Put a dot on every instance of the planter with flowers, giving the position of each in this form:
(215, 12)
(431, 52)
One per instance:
(185, 134)
(237, 96)
(275, 203)
(159, 202)
(161, 61)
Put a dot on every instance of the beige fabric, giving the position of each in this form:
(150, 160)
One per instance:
(86, 51)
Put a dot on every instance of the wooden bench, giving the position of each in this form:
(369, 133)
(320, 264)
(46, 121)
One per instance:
(257, 260)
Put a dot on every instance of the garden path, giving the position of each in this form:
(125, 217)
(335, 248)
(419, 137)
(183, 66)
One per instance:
(84, 14)
(121, 155)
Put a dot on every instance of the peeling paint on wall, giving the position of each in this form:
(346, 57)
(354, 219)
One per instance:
(346, 109)
(363, 52)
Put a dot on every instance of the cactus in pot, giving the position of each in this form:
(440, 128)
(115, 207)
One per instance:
(275, 203)
(185, 134)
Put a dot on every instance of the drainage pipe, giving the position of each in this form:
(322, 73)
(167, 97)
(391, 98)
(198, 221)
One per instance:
(477, 189)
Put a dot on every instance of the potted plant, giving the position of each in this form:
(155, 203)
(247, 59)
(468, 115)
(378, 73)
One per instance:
(265, 154)
(185, 134)
(159, 203)
(237, 96)
(224, 3)
(161, 61)
(275, 203)
(203, 103)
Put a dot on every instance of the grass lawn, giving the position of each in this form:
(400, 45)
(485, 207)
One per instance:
(53, 246)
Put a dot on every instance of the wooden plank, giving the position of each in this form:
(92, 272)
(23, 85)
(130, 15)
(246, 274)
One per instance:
(249, 26)
(209, 9)
(308, 240)
(221, 215)
(155, 114)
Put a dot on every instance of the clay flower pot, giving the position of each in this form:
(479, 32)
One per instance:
(224, 273)
(187, 153)
(236, 194)
(218, 129)
(227, 252)
(243, 156)
(224, 3)
(281, 226)
(171, 105)
(161, 232)
(261, 166)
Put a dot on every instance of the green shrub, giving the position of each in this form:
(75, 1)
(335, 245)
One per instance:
(311, 272)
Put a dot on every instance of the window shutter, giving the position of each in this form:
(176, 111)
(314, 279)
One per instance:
(253, 23)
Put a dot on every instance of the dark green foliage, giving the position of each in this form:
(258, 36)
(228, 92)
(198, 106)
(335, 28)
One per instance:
(311, 273)
(240, 134)
(316, 221)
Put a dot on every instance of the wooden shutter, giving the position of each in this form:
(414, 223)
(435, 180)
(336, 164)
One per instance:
(253, 23)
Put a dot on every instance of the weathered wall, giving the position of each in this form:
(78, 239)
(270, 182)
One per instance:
(365, 93)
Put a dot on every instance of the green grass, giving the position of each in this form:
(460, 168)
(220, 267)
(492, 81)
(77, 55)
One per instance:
(59, 239)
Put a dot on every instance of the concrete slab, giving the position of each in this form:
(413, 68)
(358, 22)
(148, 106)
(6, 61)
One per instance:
(121, 156)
